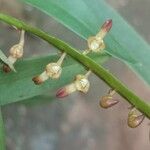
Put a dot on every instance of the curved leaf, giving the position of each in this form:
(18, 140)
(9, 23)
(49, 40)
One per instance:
(84, 17)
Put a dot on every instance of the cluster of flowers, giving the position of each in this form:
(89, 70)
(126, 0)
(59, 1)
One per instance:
(81, 83)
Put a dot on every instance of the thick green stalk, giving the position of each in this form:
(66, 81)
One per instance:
(101, 72)
(2, 134)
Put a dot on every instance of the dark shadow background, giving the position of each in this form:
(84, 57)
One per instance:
(76, 122)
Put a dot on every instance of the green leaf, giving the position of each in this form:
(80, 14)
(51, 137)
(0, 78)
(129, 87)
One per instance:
(5, 60)
(85, 17)
(38, 100)
(19, 86)
(2, 133)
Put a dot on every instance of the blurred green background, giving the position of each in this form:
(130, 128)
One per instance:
(77, 122)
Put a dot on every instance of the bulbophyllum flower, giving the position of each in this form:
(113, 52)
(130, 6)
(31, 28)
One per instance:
(16, 52)
(96, 43)
(108, 101)
(53, 70)
(81, 83)
(134, 118)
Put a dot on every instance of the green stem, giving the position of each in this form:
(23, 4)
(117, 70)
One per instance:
(101, 72)
(2, 134)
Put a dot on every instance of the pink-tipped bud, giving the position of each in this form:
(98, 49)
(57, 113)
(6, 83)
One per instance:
(80, 83)
(107, 101)
(65, 91)
(134, 119)
(53, 70)
(104, 30)
(61, 93)
(107, 25)
(96, 43)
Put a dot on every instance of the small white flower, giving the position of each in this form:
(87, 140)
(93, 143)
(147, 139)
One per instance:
(53, 70)
(81, 83)
(96, 43)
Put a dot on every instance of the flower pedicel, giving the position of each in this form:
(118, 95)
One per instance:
(53, 70)
(16, 52)
(81, 83)
(96, 43)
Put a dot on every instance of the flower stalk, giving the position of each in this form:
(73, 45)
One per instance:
(100, 71)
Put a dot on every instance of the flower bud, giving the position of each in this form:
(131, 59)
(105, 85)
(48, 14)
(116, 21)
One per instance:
(96, 43)
(134, 119)
(40, 79)
(104, 29)
(80, 83)
(108, 100)
(52, 70)
(16, 52)
(65, 91)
